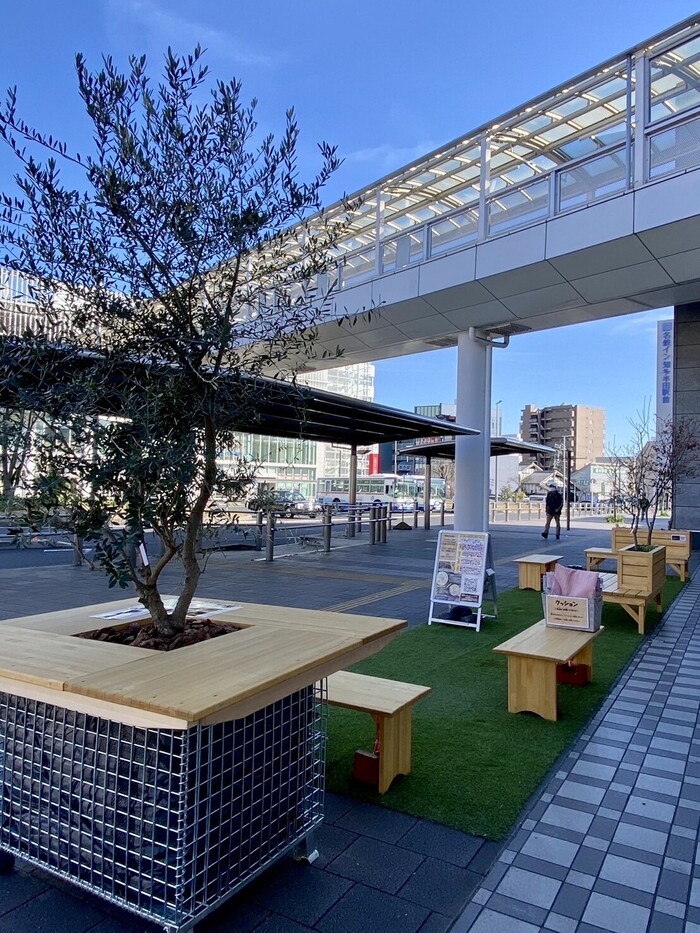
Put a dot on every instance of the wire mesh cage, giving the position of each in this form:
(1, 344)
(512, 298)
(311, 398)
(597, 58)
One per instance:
(165, 823)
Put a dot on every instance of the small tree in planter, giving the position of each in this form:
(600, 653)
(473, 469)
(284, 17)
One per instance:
(178, 264)
(645, 471)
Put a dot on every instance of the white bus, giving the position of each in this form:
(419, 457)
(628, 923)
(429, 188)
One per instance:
(390, 489)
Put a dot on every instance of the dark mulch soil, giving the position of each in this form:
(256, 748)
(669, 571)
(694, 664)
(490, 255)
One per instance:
(143, 635)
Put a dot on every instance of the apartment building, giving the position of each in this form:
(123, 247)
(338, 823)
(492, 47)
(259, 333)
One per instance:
(578, 428)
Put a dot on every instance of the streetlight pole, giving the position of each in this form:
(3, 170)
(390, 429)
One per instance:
(495, 465)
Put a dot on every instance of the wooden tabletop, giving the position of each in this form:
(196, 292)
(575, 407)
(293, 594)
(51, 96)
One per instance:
(275, 651)
(538, 559)
(552, 644)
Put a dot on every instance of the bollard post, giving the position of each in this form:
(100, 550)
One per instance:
(259, 522)
(442, 513)
(372, 525)
(385, 521)
(351, 520)
(270, 543)
(327, 526)
(415, 513)
(77, 551)
(358, 519)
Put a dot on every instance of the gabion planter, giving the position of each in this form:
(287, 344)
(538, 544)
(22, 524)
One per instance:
(166, 823)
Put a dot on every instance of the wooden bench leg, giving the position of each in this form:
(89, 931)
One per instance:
(394, 734)
(532, 686)
(530, 577)
(637, 611)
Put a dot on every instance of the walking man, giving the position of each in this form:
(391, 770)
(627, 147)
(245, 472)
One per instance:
(553, 506)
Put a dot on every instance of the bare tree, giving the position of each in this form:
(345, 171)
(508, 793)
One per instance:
(177, 271)
(646, 469)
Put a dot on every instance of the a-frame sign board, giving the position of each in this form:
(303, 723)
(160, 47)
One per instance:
(463, 577)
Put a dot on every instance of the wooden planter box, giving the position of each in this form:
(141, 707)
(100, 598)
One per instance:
(164, 782)
(677, 544)
(644, 571)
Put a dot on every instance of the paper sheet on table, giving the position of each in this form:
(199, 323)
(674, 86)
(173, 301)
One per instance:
(198, 607)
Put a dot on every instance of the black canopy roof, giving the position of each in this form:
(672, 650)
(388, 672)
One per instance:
(444, 447)
(271, 406)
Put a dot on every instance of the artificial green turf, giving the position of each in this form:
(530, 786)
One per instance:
(475, 765)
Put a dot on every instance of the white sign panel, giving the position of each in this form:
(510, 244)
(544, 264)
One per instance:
(664, 372)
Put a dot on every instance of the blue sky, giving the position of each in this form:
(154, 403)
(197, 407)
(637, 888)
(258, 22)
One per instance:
(386, 82)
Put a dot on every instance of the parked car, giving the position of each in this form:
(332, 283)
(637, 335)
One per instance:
(284, 502)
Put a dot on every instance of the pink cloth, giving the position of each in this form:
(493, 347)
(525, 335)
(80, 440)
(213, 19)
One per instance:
(565, 581)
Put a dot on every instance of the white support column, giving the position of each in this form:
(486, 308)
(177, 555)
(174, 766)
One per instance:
(472, 453)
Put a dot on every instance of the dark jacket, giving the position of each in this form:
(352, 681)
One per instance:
(554, 502)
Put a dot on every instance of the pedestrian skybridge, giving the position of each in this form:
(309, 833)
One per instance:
(581, 204)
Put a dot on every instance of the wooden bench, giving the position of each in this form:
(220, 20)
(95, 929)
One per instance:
(531, 568)
(596, 555)
(633, 601)
(533, 656)
(677, 544)
(390, 703)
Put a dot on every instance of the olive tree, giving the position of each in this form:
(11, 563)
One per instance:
(168, 268)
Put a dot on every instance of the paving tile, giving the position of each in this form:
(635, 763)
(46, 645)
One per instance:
(376, 822)
(299, 892)
(436, 923)
(363, 909)
(568, 818)
(52, 910)
(571, 901)
(540, 867)
(442, 842)
(376, 864)
(467, 918)
(528, 886)
(680, 848)
(330, 842)
(440, 886)
(18, 888)
(485, 857)
(588, 860)
(614, 915)
(581, 879)
(648, 840)
(549, 849)
(518, 909)
(673, 908)
(591, 769)
(652, 809)
(489, 921)
(662, 923)
(574, 790)
(560, 923)
(239, 914)
(628, 872)
(335, 806)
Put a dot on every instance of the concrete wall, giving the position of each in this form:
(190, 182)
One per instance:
(686, 402)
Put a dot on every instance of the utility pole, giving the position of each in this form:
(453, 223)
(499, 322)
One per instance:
(568, 487)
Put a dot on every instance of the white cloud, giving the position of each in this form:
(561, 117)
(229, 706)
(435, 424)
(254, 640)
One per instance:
(167, 28)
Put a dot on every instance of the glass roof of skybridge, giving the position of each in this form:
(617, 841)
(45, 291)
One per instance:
(586, 125)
